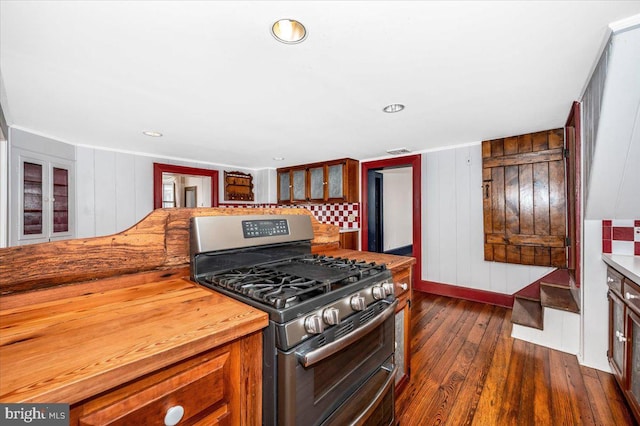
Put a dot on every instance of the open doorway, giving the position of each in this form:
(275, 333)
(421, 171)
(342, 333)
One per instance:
(402, 205)
(390, 225)
(175, 186)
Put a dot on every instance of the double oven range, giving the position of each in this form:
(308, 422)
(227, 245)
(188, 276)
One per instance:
(328, 349)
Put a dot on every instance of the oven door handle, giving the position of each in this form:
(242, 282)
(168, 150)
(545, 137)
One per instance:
(312, 357)
(370, 408)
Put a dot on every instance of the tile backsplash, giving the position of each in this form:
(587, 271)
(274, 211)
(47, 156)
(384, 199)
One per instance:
(345, 215)
(621, 237)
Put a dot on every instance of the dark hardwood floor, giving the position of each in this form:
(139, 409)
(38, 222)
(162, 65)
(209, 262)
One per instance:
(466, 369)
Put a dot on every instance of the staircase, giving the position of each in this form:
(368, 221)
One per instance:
(550, 298)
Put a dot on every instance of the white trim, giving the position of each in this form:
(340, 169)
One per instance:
(423, 151)
(142, 154)
(625, 24)
(4, 193)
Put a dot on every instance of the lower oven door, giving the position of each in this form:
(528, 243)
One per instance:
(346, 381)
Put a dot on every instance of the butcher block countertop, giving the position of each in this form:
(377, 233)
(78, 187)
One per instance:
(72, 342)
(392, 261)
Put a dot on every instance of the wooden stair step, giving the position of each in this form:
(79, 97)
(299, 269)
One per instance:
(557, 278)
(527, 312)
(558, 297)
(530, 292)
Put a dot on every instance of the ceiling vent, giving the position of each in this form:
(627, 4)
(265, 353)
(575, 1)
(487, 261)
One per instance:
(398, 151)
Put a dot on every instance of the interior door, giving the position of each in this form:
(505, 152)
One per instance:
(573, 158)
(524, 199)
(375, 212)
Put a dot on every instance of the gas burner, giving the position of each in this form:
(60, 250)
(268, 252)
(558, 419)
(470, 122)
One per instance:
(278, 289)
(286, 283)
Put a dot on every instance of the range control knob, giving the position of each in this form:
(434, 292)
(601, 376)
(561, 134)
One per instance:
(388, 288)
(378, 292)
(313, 324)
(358, 303)
(331, 316)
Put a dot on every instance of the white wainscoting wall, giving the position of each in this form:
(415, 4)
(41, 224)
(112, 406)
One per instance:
(115, 189)
(452, 226)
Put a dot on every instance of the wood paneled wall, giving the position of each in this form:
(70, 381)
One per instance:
(453, 237)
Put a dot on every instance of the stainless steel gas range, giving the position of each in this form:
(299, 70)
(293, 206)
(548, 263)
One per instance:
(328, 350)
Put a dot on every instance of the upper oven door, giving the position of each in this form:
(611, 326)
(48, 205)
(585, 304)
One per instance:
(316, 379)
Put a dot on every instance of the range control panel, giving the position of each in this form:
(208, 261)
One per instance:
(264, 228)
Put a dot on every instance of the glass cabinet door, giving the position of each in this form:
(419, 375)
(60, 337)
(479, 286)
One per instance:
(336, 184)
(618, 334)
(284, 186)
(634, 355)
(317, 183)
(42, 202)
(60, 200)
(32, 198)
(299, 184)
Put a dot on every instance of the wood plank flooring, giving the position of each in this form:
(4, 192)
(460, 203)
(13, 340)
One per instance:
(466, 369)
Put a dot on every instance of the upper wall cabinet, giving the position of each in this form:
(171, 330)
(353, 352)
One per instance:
(327, 182)
(42, 198)
(524, 199)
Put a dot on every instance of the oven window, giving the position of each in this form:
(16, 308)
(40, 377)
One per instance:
(331, 372)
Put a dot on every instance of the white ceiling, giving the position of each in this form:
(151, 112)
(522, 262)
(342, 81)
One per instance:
(213, 80)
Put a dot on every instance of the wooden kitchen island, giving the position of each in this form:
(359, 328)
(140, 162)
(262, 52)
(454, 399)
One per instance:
(114, 327)
(131, 347)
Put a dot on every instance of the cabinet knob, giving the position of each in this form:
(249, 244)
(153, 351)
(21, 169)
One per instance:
(630, 296)
(620, 336)
(404, 286)
(173, 415)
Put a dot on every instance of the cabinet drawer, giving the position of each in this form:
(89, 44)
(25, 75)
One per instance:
(201, 387)
(632, 294)
(614, 280)
(402, 281)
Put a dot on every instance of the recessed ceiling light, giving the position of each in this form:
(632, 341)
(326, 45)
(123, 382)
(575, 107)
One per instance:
(278, 158)
(152, 133)
(393, 108)
(289, 31)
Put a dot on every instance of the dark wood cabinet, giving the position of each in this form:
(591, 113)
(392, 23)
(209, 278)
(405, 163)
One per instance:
(402, 279)
(333, 181)
(624, 336)
(349, 240)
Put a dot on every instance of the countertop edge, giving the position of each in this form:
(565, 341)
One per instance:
(629, 266)
(392, 261)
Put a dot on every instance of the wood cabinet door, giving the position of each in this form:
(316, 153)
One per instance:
(299, 184)
(617, 337)
(317, 183)
(284, 186)
(524, 199)
(633, 360)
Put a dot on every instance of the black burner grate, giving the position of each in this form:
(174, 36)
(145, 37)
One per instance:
(287, 283)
